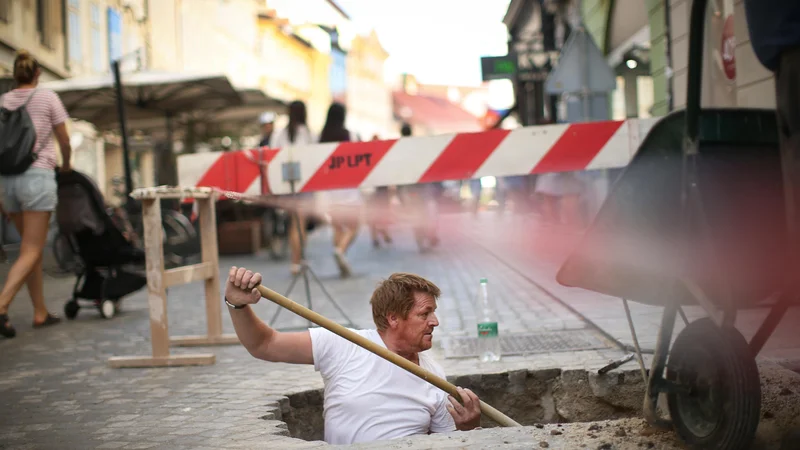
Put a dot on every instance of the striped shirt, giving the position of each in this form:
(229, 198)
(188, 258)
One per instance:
(46, 112)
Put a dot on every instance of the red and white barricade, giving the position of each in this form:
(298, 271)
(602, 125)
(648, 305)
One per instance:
(500, 153)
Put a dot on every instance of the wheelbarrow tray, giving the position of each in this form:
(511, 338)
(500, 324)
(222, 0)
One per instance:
(735, 251)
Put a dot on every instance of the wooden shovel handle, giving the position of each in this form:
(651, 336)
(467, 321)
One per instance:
(384, 353)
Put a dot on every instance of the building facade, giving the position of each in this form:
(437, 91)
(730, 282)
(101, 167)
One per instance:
(537, 31)
(429, 111)
(328, 31)
(76, 38)
(655, 35)
(369, 98)
(291, 68)
(36, 26)
(646, 44)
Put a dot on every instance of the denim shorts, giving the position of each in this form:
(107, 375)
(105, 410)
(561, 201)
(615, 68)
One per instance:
(33, 190)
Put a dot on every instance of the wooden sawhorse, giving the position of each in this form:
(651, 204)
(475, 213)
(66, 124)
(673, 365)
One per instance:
(158, 280)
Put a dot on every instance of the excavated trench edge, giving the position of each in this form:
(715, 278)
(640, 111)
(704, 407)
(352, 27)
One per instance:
(528, 396)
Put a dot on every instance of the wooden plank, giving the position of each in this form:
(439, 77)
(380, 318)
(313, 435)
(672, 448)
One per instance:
(202, 341)
(189, 274)
(172, 192)
(154, 264)
(204, 359)
(210, 256)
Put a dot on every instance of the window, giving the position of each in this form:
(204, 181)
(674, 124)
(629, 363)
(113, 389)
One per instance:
(97, 39)
(645, 96)
(114, 34)
(619, 109)
(338, 73)
(5, 11)
(74, 31)
(45, 25)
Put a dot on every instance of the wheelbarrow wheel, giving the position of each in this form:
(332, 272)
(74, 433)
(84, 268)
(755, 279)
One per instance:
(717, 403)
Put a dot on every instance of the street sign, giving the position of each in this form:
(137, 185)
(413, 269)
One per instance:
(498, 67)
(581, 66)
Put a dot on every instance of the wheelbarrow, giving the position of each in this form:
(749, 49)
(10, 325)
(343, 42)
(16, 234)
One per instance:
(700, 217)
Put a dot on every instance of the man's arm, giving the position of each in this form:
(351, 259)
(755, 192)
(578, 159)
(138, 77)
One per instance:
(62, 137)
(256, 336)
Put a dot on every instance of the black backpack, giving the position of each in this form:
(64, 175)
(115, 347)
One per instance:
(17, 139)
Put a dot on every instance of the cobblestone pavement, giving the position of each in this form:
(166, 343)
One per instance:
(56, 390)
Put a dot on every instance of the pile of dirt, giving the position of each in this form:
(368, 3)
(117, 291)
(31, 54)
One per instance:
(780, 406)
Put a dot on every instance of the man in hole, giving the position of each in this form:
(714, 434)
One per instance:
(366, 397)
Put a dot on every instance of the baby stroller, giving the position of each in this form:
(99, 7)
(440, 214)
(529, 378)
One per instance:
(100, 245)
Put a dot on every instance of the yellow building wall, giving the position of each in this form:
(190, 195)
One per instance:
(20, 33)
(291, 70)
(368, 96)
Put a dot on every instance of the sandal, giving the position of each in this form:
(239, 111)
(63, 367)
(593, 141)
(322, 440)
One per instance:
(50, 320)
(5, 327)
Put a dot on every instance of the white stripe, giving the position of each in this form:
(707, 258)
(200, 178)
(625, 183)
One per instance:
(311, 158)
(254, 188)
(407, 160)
(191, 168)
(622, 145)
(274, 172)
(521, 150)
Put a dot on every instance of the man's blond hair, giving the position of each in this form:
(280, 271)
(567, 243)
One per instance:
(395, 295)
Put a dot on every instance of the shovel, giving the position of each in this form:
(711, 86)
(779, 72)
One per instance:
(384, 353)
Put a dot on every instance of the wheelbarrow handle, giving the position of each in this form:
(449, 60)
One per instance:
(384, 353)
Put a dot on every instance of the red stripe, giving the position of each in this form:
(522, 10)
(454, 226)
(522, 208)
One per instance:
(463, 156)
(348, 165)
(235, 171)
(215, 175)
(577, 147)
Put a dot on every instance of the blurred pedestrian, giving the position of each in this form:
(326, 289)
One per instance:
(379, 213)
(267, 121)
(30, 197)
(294, 134)
(421, 199)
(475, 189)
(3, 255)
(560, 198)
(345, 205)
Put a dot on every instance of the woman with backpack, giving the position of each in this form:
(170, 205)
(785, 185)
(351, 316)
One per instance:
(296, 133)
(30, 119)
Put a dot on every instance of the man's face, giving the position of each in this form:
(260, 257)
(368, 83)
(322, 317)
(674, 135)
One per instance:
(267, 128)
(416, 330)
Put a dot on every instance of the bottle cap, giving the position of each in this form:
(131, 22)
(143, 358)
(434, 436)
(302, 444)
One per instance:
(484, 280)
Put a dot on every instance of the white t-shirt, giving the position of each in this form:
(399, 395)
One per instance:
(304, 136)
(368, 398)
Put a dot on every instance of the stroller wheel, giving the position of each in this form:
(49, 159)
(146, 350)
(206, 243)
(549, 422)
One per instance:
(71, 309)
(107, 309)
